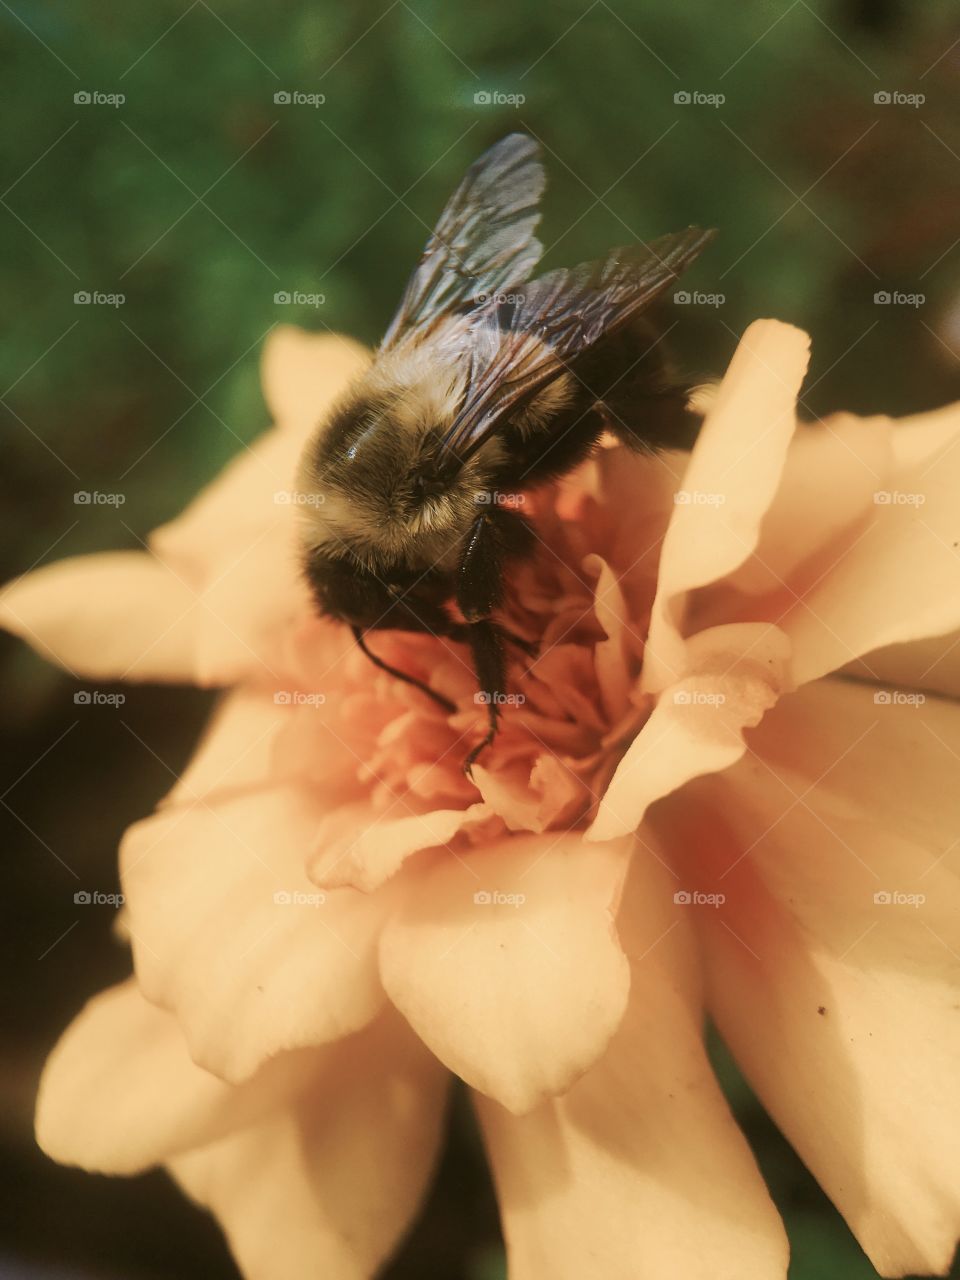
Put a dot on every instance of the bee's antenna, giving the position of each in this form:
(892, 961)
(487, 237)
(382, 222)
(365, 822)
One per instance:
(438, 698)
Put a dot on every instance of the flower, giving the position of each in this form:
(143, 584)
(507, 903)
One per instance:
(725, 786)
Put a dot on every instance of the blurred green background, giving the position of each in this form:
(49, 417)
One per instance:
(831, 167)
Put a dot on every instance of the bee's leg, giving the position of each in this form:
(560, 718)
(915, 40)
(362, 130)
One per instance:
(496, 535)
(438, 698)
(486, 646)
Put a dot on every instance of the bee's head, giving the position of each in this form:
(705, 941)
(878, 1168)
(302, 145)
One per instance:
(382, 485)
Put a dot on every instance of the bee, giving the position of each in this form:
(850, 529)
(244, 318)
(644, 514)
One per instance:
(487, 383)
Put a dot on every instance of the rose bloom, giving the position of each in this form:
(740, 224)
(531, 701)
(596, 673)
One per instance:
(718, 792)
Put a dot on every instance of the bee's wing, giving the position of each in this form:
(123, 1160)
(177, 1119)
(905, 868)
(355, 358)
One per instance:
(484, 241)
(517, 348)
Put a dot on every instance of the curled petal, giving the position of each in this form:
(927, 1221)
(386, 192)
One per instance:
(736, 673)
(367, 853)
(896, 580)
(734, 472)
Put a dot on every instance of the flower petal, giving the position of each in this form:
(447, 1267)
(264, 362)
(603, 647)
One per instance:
(506, 961)
(303, 372)
(242, 504)
(733, 474)
(327, 1187)
(932, 664)
(897, 580)
(638, 1172)
(833, 468)
(113, 616)
(230, 934)
(119, 1092)
(834, 962)
(367, 854)
(237, 749)
(735, 674)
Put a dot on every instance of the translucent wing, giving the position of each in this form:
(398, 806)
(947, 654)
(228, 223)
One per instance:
(484, 241)
(517, 348)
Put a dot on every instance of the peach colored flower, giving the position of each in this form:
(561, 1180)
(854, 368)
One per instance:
(721, 791)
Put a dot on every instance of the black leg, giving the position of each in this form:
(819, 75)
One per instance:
(497, 535)
(438, 698)
(486, 646)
